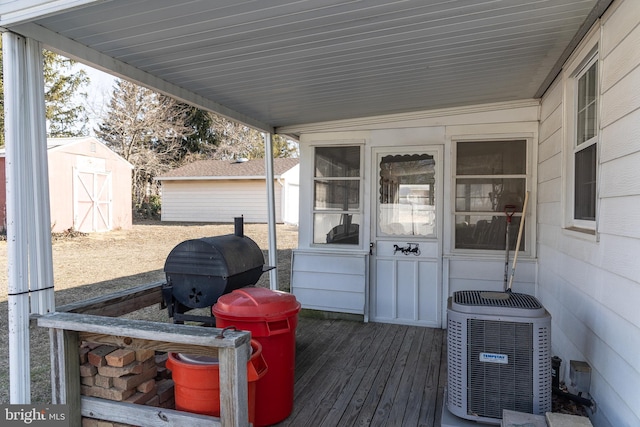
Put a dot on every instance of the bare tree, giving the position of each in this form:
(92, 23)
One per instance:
(147, 129)
(156, 133)
(235, 140)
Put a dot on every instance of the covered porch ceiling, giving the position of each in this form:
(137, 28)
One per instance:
(279, 64)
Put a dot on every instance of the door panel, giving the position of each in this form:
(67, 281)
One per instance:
(406, 261)
(92, 201)
(427, 248)
(383, 303)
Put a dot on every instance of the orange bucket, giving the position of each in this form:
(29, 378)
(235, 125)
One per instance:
(197, 381)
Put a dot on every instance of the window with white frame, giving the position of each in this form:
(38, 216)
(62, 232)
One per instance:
(585, 152)
(337, 209)
(491, 179)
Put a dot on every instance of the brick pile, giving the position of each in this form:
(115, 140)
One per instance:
(125, 375)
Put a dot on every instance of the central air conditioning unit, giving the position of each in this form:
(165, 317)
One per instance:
(499, 355)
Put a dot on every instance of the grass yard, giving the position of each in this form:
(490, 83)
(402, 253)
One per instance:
(86, 266)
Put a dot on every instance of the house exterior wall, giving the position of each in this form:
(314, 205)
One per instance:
(460, 269)
(591, 283)
(218, 200)
(3, 195)
(290, 182)
(87, 156)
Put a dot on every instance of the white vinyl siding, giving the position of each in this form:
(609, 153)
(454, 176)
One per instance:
(515, 121)
(465, 274)
(341, 288)
(591, 284)
(218, 201)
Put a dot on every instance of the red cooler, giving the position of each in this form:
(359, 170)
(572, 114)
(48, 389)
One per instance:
(271, 317)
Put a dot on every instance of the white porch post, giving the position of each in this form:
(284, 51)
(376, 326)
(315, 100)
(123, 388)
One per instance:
(271, 205)
(28, 216)
(40, 252)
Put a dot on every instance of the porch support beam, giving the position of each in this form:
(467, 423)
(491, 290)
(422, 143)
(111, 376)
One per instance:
(15, 12)
(271, 207)
(29, 260)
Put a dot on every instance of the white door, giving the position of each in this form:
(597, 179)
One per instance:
(92, 201)
(406, 222)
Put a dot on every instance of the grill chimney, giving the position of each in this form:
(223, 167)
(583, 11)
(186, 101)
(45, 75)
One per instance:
(238, 223)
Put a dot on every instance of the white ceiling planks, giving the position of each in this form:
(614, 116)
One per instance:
(294, 62)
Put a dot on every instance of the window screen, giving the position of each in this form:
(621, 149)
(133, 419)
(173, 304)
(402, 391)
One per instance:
(336, 202)
(490, 176)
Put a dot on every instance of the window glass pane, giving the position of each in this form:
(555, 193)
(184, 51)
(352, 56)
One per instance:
(582, 91)
(587, 96)
(337, 194)
(336, 188)
(592, 79)
(337, 162)
(336, 228)
(491, 158)
(488, 191)
(489, 195)
(487, 232)
(585, 184)
(586, 124)
(407, 195)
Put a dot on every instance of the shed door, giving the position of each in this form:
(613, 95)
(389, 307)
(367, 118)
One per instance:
(406, 261)
(92, 200)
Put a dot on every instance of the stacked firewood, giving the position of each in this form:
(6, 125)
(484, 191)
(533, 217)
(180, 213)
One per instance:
(125, 375)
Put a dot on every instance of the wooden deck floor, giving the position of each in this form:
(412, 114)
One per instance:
(367, 374)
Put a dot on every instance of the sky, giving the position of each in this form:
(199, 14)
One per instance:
(98, 94)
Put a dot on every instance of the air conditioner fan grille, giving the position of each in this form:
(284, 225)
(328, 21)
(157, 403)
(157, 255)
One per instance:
(496, 299)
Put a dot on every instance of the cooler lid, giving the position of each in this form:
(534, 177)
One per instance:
(256, 303)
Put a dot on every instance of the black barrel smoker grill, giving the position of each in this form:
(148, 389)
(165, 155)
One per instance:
(199, 271)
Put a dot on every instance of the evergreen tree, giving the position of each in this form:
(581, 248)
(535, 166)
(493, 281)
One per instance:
(65, 112)
(202, 142)
(64, 97)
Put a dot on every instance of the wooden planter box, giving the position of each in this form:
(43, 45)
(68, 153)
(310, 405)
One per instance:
(96, 320)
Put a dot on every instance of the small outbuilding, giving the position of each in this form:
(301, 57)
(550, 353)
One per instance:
(219, 190)
(89, 186)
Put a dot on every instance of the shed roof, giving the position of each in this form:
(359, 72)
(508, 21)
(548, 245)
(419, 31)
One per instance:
(59, 144)
(223, 169)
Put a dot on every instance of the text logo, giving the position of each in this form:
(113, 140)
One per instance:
(502, 359)
(34, 415)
